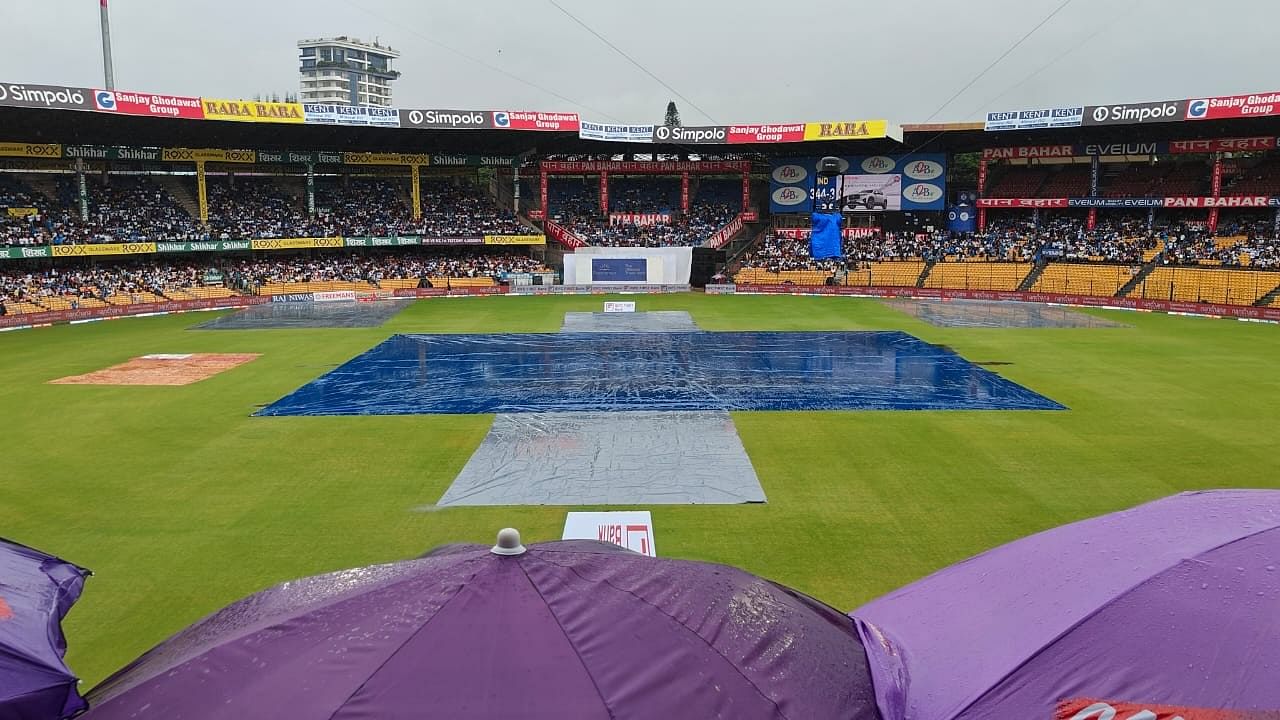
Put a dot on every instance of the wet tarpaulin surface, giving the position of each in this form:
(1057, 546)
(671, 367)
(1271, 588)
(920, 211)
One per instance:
(654, 321)
(608, 372)
(997, 314)
(340, 314)
(608, 458)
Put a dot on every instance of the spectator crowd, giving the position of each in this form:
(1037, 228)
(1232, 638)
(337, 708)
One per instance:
(106, 279)
(138, 209)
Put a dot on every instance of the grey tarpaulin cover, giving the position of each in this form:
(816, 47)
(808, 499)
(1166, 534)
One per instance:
(342, 314)
(997, 314)
(652, 321)
(603, 458)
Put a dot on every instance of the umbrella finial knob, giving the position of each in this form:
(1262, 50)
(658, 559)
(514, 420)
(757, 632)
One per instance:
(508, 543)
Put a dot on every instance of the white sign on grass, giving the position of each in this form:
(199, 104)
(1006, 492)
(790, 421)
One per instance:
(631, 529)
(612, 307)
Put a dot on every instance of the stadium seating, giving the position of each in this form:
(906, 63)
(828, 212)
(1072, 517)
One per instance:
(1083, 279)
(977, 275)
(1228, 287)
(1017, 181)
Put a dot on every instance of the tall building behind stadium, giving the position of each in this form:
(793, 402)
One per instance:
(342, 70)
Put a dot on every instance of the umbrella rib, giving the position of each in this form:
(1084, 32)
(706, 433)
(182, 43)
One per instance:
(585, 669)
(1099, 609)
(687, 629)
(407, 640)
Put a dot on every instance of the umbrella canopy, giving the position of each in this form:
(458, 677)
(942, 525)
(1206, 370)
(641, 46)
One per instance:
(36, 591)
(570, 629)
(1175, 603)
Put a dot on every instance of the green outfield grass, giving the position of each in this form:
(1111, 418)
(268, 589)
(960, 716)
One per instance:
(181, 502)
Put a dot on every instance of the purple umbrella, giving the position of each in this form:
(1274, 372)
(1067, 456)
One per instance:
(1175, 603)
(571, 629)
(36, 591)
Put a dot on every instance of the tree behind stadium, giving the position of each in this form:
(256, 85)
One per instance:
(673, 115)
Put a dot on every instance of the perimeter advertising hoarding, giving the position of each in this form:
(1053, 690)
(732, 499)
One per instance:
(615, 133)
(1035, 119)
(359, 115)
(1135, 113)
(147, 104)
(55, 97)
(1233, 106)
(869, 183)
(435, 119)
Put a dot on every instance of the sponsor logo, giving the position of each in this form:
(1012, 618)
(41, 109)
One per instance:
(789, 174)
(104, 100)
(766, 133)
(1030, 151)
(1234, 106)
(1022, 202)
(789, 196)
(1032, 119)
(501, 119)
(530, 120)
(245, 111)
(46, 96)
(849, 130)
(922, 193)
(1135, 113)
(701, 134)
(444, 118)
(922, 170)
(1122, 149)
(877, 164)
(1221, 202)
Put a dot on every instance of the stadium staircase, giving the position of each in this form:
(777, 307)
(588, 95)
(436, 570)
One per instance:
(1036, 271)
(924, 273)
(45, 186)
(1141, 276)
(1270, 298)
(179, 193)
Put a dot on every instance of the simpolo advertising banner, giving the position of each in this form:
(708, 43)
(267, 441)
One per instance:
(56, 97)
(692, 135)
(847, 130)
(148, 105)
(1233, 106)
(1035, 119)
(1135, 113)
(30, 150)
(360, 115)
(615, 133)
(140, 248)
(531, 120)
(446, 119)
(295, 243)
(515, 239)
(251, 111)
(358, 158)
(869, 183)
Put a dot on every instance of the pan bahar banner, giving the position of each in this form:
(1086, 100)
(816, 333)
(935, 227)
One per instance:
(515, 239)
(295, 243)
(252, 111)
(140, 248)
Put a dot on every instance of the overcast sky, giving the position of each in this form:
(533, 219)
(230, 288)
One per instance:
(739, 60)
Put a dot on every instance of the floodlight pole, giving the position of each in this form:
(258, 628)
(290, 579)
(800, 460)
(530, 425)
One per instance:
(108, 74)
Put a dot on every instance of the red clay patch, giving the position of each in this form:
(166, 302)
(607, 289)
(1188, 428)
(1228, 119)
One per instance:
(166, 369)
